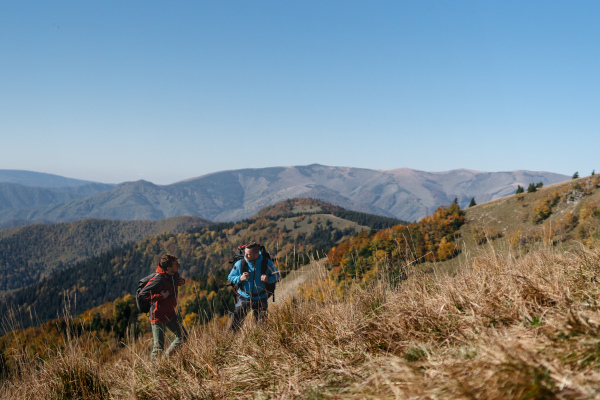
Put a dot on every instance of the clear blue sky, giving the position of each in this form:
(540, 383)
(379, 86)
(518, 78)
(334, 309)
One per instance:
(116, 91)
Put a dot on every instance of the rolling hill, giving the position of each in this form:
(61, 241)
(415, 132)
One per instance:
(554, 215)
(33, 252)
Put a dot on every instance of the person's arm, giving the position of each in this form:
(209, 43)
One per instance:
(235, 274)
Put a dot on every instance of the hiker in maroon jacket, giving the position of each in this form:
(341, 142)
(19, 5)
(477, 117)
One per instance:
(162, 292)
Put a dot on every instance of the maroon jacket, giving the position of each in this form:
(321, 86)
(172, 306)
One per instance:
(161, 309)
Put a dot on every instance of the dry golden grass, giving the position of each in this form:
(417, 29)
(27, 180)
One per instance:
(504, 327)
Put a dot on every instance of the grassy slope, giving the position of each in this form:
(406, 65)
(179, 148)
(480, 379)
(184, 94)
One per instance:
(513, 213)
(525, 327)
(509, 222)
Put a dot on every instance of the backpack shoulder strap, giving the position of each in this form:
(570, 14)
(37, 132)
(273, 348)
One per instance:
(162, 280)
(264, 266)
(243, 266)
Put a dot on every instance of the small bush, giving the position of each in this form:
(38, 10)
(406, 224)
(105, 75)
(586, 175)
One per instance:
(415, 354)
(484, 235)
(78, 381)
(543, 208)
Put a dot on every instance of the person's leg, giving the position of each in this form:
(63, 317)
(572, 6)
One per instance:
(241, 310)
(259, 308)
(175, 325)
(158, 333)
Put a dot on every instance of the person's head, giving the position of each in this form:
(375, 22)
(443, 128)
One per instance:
(169, 264)
(252, 252)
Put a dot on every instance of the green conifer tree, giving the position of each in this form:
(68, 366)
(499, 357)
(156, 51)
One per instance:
(472, 203)
(520, 189)
(539, 185)
(531, 188)
(575, 175)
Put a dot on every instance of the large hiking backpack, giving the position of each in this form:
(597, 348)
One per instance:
(142, 303)
(264, 268)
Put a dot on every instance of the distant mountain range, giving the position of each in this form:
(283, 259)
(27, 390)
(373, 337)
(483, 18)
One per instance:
(407, 194)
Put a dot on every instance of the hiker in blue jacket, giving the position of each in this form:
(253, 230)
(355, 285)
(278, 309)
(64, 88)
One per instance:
(251, 286)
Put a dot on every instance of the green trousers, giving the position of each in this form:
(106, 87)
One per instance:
(158, 332)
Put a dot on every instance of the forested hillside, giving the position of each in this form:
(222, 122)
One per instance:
(390, 251)
(306, 228)
(30, 253)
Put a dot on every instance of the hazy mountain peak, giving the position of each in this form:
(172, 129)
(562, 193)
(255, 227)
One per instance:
(38, 179)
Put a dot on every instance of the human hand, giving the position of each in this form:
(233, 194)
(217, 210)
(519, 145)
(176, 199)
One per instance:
(264, 278)
(165, 294)
(244, 276)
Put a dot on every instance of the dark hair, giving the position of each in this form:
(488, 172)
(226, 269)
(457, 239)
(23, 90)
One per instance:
(253, 247)
(167, 261)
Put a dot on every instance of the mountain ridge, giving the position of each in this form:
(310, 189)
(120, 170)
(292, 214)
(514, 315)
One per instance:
(41, 179)
(237, 194)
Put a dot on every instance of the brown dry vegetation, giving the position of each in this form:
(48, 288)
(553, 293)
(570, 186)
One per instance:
(505, 326)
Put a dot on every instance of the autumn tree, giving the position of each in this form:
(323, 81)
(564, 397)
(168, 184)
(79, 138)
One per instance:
(431, 239)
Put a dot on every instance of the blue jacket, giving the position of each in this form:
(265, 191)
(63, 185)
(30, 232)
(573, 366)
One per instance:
(253, 285)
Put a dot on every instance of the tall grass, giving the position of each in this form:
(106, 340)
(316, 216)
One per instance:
(504, 327)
